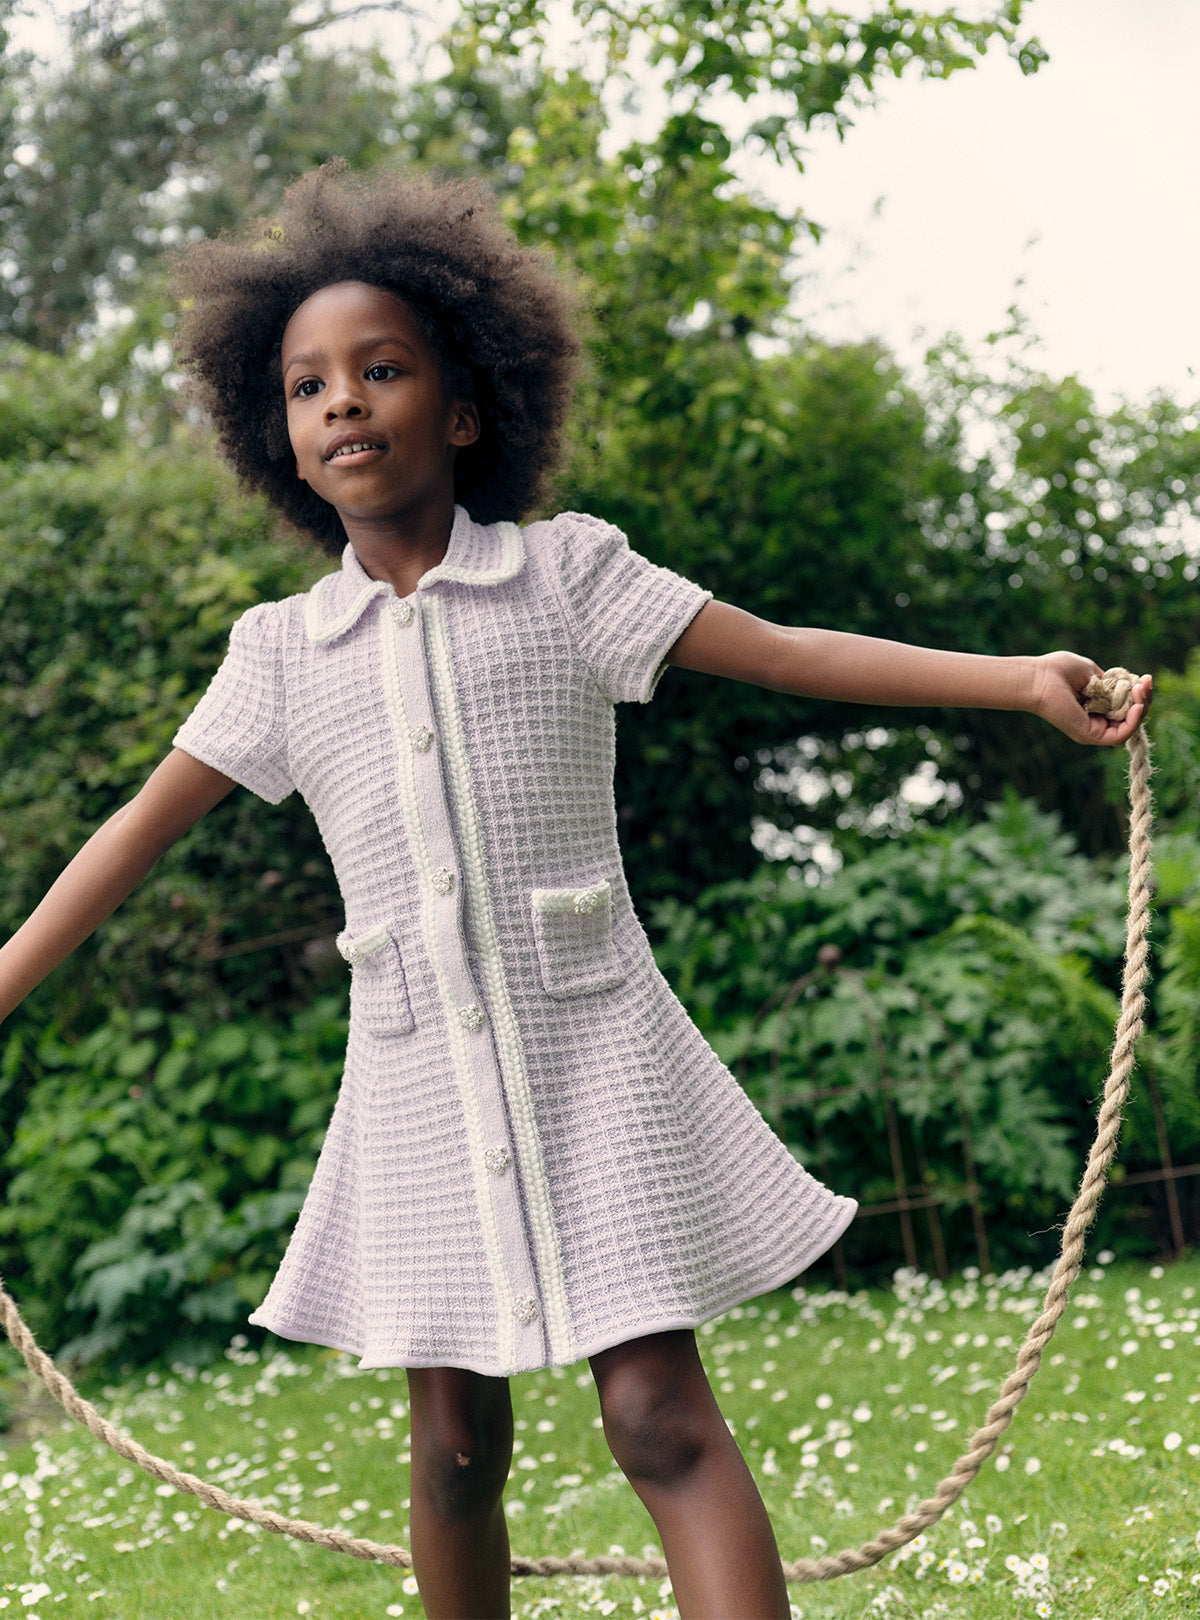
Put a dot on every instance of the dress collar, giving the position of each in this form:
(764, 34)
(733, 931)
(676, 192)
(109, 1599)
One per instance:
(477, 554)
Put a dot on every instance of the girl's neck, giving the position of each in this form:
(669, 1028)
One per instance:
(401, 553)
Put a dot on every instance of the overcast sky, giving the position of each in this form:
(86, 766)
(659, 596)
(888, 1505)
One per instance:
(1083, 182)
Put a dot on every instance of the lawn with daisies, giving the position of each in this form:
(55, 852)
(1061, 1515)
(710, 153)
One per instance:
(849, 1407)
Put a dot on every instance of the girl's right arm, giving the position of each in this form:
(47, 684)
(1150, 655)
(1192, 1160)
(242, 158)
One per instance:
(809, 662)
(112, 862)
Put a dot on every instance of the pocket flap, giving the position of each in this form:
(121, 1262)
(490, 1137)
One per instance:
(359, 948)
(378, 990)
(582, 902)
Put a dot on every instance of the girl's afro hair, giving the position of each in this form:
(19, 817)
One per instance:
(496, 314)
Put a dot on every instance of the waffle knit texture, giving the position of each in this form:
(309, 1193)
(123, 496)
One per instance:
(534, 1155)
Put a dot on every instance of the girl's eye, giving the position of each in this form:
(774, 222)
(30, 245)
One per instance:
(381, 371)
(306, 388)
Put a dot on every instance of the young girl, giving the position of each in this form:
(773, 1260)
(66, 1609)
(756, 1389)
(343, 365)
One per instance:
(534, 1157)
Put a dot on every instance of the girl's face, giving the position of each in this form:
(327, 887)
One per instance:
(371, 424)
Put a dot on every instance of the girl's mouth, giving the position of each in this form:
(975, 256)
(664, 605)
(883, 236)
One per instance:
(354, 450)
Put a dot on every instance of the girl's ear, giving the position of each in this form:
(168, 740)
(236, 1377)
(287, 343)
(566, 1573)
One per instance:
(464, 424)
(299, 474)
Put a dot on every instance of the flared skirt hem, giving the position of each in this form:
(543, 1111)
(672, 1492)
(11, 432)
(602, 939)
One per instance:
(842, 1212)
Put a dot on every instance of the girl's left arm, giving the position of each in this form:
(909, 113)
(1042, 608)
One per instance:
(725, 640)
(112, 862)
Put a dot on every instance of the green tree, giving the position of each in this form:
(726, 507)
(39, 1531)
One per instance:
(832, 490)
(807, 62)
(1072, 527)
(157, 1168)
(164, 119)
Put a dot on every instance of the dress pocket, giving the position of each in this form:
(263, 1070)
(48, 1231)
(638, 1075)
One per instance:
(573, 930)
(378, 992)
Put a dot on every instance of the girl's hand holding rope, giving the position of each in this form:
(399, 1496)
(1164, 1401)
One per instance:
(1065, 695)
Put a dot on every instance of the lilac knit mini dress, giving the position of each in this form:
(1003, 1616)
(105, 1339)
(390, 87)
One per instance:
(534, 1154)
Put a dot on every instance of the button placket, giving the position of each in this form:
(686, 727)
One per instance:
(477, 1062)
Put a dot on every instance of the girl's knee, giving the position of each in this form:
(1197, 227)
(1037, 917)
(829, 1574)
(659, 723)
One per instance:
(459, 1484)
(461, 1442)
(657, 1424)
(652, 1444)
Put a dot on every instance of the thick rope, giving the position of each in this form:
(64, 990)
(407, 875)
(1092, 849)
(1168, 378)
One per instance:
(1110, 695)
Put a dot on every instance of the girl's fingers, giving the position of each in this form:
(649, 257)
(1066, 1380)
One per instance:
(1124, 729)
(1111, 733)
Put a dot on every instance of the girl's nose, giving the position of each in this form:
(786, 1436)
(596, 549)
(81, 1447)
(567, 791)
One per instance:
(344, 399)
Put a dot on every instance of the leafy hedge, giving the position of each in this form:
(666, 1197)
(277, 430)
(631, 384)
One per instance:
(1176, 731)
(122, 567)
(157, 1169)
(970, 969)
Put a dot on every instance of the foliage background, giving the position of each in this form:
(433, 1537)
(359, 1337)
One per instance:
(161, 1097)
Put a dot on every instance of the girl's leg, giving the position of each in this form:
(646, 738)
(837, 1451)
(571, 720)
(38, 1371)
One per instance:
(667, 1434)
(462, 1435)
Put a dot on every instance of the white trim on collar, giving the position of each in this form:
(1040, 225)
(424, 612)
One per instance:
(507, 566)
(321, 629)
(470, 560)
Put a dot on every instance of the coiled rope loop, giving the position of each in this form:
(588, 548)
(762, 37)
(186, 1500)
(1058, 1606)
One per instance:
(1109, 695)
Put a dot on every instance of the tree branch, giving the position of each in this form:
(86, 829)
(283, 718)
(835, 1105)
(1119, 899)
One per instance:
(328, 14)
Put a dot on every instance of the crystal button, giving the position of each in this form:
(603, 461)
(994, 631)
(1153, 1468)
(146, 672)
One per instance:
(473, 1016)
(525, 1308)
(422, 739)
(497, 1160)
(402, 612)
(443, 880)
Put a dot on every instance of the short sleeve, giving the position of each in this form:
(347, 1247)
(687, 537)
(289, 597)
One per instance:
(238, 725)
(627, 613)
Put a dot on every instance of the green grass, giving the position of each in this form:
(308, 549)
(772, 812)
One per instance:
(848, 1407)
